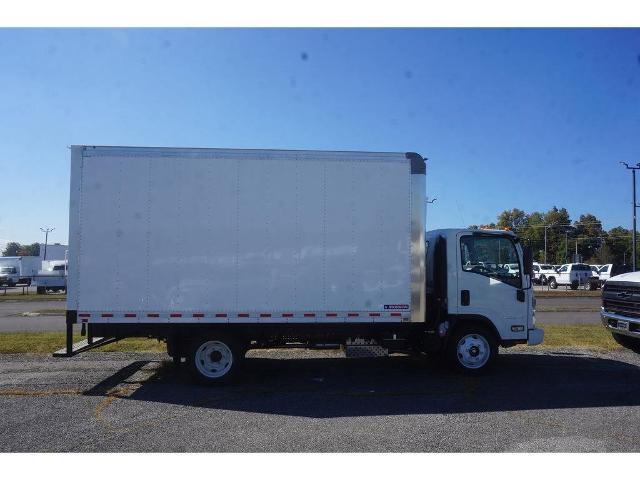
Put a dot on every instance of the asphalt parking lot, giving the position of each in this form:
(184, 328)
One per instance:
(301, 400)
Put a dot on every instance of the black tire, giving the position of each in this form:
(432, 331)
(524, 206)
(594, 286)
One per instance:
(543, 280)
(553, 284)
(219, 355)
(592, 286)
(474, 342)
(574, 285)
(632, 344)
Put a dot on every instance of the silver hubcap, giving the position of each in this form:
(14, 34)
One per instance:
(473, 351)
(213, 359)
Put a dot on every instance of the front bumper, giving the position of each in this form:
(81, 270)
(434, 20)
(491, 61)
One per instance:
(610, 322)
(535, 337)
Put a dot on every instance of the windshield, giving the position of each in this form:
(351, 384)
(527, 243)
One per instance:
(491, 256)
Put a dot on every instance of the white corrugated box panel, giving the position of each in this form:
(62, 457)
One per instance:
(161, 229)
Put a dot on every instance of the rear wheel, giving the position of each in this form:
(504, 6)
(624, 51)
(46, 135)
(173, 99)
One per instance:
(574, 285)
(552, 283)
(631, 343)
(214, 360)
(472, 349)
(543, 280)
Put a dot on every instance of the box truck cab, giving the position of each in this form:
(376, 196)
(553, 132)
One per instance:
(231, 250)
(471, 276)
(15, 270)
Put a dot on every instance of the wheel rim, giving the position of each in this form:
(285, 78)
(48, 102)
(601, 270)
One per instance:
(213, 359)
(473, 351)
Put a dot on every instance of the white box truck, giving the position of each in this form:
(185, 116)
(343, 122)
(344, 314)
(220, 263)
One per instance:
(15, 270)
(218, 251)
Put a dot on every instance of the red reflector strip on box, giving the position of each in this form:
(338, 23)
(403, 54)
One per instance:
(332, 314)
(374, 314)
(107, 315)
(221, 315)
(175, 315)
(129, 315)
(198, 315)
(265, 315)
(243, 315)
(309, 314)
(153, 315)
(84, 315)
(353, 315)
(287, 315)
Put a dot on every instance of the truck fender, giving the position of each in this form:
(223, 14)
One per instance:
(458, 321)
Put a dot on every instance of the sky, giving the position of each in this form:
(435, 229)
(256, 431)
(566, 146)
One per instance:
(526, 118)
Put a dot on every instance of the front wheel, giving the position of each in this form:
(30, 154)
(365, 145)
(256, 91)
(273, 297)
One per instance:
(552, 283)
(472, 349)
(214, 360)
(631, 343)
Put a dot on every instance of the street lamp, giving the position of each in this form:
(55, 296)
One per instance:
(46, 238)
(634, 206)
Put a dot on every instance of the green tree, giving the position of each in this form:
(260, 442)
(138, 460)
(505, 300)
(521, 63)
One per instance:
(32, 250)
(590, 236)
(12, 249)
(618, 246)
(514, 219)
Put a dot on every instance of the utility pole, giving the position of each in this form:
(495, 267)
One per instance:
(635, 206)
(46, 238)
(545, 244)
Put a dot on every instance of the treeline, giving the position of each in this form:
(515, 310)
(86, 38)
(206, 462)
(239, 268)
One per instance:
(14, 249)
(565, 237)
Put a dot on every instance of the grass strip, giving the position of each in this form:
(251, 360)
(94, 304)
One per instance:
(32, 297)
(48, 342)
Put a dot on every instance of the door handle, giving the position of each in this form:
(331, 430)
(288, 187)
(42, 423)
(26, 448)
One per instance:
(520, 295)
(465, 298)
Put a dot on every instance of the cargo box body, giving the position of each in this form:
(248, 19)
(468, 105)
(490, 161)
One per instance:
(172, 235)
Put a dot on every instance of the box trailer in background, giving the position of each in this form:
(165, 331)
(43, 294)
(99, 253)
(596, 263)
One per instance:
(55, 251)
(219, 251)
(18, 270)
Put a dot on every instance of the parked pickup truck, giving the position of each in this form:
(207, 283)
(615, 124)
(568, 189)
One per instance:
(574, 275)
(610, 270)
(621, 309)
(543, 273)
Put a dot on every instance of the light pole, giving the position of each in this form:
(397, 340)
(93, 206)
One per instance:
(46, 238)
(635, 206)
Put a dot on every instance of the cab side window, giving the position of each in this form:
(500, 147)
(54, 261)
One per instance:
(491, 256)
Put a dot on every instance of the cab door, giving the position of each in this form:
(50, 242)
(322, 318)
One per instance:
(490, 282)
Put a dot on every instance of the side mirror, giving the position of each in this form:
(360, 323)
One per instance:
(527, 261)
